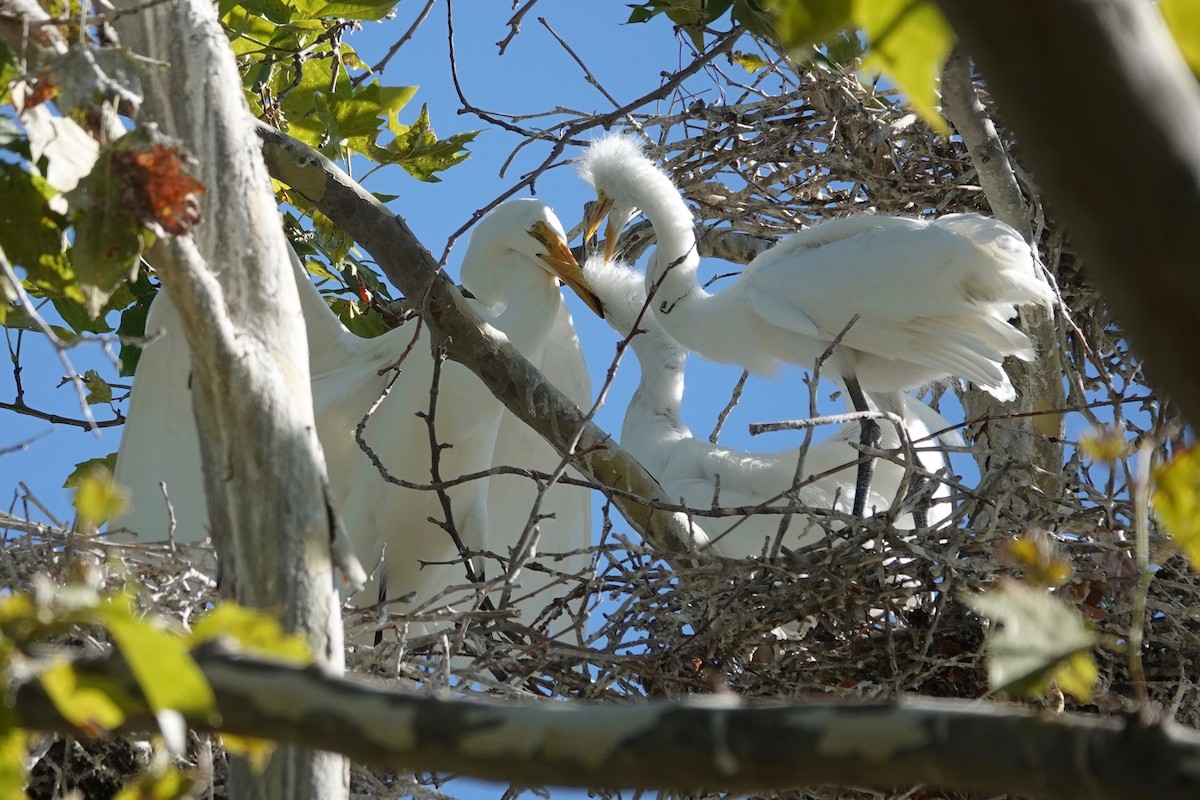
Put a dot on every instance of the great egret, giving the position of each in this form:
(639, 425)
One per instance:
(701, 474)
(513, 259)
(924, 300)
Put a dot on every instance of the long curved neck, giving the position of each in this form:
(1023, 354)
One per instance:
(653, 414)
(673, 266)
(529, 300)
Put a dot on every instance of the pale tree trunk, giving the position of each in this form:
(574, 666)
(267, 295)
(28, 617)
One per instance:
(1014, 453)
(264, 471)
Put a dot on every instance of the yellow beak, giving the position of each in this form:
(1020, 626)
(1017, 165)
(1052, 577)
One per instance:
(561, 263)
(595, 214)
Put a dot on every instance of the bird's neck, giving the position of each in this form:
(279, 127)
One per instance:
(652, 418)
(529, 308)
(672, 268)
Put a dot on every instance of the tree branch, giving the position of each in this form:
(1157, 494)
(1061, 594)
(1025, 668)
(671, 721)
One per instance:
(508, 375)
(714, 743)
(1062, 68)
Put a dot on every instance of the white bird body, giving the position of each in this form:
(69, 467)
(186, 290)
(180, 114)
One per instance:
(504, 267)
(932, 298)
(915, 300)
(696, 472)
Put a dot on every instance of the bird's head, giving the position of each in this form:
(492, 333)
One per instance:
(612, 166)
(528, 228)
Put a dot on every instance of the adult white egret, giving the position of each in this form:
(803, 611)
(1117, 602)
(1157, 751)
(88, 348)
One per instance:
(924, 300)
(702, 474)
(511, 265)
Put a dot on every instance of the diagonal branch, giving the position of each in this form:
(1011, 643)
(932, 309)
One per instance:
(508, 375)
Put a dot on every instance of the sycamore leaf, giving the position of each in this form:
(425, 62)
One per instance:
(33, 233)
(1040, 641)
(98, 390)
(255, 631)
(1176, 498)
(98, 498)
(802, 23)
(159, 659)
(1183, 19)
(908, 40)
(131, 327)
(360, 320)
(417, 149)
(86, 707)
(346, 9)
(83, 468)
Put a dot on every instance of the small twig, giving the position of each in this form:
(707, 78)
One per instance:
(514, 25)
(728, 409)
(395, 48)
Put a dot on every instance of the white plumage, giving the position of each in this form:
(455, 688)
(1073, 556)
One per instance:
(932, 298)
(691, 469)
(508, 268)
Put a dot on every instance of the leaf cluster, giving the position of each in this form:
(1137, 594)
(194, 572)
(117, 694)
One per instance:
(158, 653)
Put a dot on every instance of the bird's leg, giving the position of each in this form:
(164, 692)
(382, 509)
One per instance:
(871, 436)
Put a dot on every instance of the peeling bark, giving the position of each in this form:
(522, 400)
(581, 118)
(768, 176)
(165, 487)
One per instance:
(264, 471)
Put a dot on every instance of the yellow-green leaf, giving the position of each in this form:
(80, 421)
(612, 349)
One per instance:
(1176, 498)
(1040, 640)
(255, 631)
(98, 498)
(803, 23)
(14, 749)
(1104, 444)
(168, 783)
(86, 707)
(1183, 19)
(159, 659)
(908, 40)
(256, 751)
(751, 62)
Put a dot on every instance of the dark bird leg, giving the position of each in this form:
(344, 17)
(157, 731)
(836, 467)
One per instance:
(871, 436)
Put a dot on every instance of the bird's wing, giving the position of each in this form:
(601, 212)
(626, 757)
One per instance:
(159, 441)
(925, 294)
(511, 498)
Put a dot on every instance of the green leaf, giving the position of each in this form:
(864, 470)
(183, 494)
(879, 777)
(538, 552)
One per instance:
(361, 321)
(108, 235)
(98, 390)
(256, 632)
(75, 315)
(98, 498)
(277, 11)
(417, 149)
(1176, 499)
(1183, 20)
(1040, 640)
(31, 234)
(908, 40)
(799, 24)
(133, 326)
(363, 10)
(159, 660)
(108, 462)
(85, 706)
